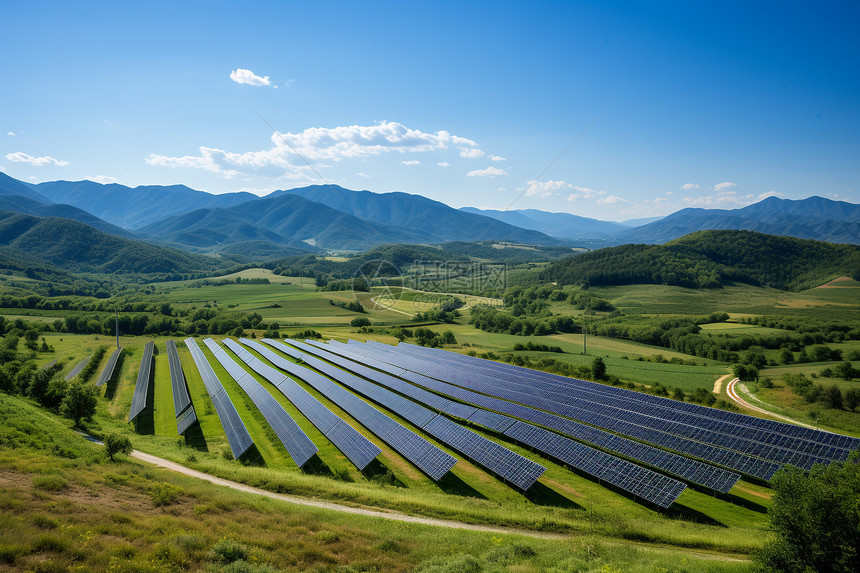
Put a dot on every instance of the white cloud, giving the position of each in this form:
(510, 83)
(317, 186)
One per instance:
(472, 153)
(103, 179)
(502, 189)
(488, 172)
(360, 174)
(21, 157)
(10, 133)
(770, 194)
(496, 158)
(660, 199)
(724, 185)
(443, 164)
(247, 77)
(411, 162)
(544, 188)
(611, 200)
(688, 186)
(584, 193)
(722, 199)
(315, 144)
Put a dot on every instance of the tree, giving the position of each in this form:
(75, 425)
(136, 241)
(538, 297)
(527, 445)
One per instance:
(448, 337)
(360, 321)
(598, 369)
(833, 397)
(116, 444)
(786, 356)
(852, 399)
(80, 401)
(815, 520)
(845, 370)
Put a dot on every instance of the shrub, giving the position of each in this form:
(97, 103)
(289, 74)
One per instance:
(50, 482)
(360, 321)
(116, 444)
(229, 551)
(164, 494)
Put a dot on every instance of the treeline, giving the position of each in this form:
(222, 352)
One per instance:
(829, 396)
(19, 374)
(709, 259)
(200, 321)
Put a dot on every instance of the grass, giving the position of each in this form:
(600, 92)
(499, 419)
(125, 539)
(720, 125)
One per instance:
(110, 515)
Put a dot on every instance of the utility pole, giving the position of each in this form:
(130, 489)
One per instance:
(116, 317)
(585, 333)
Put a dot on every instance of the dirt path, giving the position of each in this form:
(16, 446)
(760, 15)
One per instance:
(733, 394)
(718, 385)
(396, 516)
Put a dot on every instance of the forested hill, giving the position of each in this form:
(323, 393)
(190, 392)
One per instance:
(710, 259)
(74, 246)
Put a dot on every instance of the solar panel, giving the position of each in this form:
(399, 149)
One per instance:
(109, 368)
(512, 467)
(234, 428)
(347, 439)
(78, 367)
(595, 414)
(777, 433)
(430, 459)
(298, 445)
(141, 386)
(692, 470)
(646, 484)
(185, 414)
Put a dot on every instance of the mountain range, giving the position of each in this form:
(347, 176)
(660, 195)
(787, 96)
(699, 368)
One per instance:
(316, 218)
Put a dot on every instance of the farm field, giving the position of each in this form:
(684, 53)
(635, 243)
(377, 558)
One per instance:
(562, 502)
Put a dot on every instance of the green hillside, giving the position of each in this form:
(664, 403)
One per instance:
(708, 259)
(74, 246)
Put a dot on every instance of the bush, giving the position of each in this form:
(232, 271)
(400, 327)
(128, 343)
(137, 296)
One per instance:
(116, 444)
(229, 551)
(598, 369)
(164, 494)
(359, 321)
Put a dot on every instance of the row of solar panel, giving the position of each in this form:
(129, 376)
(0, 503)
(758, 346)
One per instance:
(141, 386)
(298, 445)
(775, 429)
(78, 367)
(692, 470)
(357, 448)
(107, 373)
(237, 434)
(430, 459)
(739, 462)
(182, 406)
(661, 490)
(512, 467)
(741, 440)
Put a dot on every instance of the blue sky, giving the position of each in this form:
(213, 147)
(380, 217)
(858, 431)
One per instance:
(670, 104)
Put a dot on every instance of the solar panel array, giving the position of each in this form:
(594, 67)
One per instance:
(812, 441)
(182, 406)
(595, 416)
(234, 428)
(510, 466)
(141, 386)
(692, 470)
(78, 367)
(357, 448)
(109, 368)
(298, 445)
(740, 452)
(430, 459)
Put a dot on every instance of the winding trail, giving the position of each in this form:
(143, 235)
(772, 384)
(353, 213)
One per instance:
(402, 517)
(733, 394)
(718, 385)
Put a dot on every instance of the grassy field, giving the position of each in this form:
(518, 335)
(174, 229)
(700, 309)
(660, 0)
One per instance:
(561, 501)
(78, 510)
(602, 530)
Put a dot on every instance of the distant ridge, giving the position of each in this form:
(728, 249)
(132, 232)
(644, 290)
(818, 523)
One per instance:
(132, 208)
(562, 225)
(424, 215)
(812, 218)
